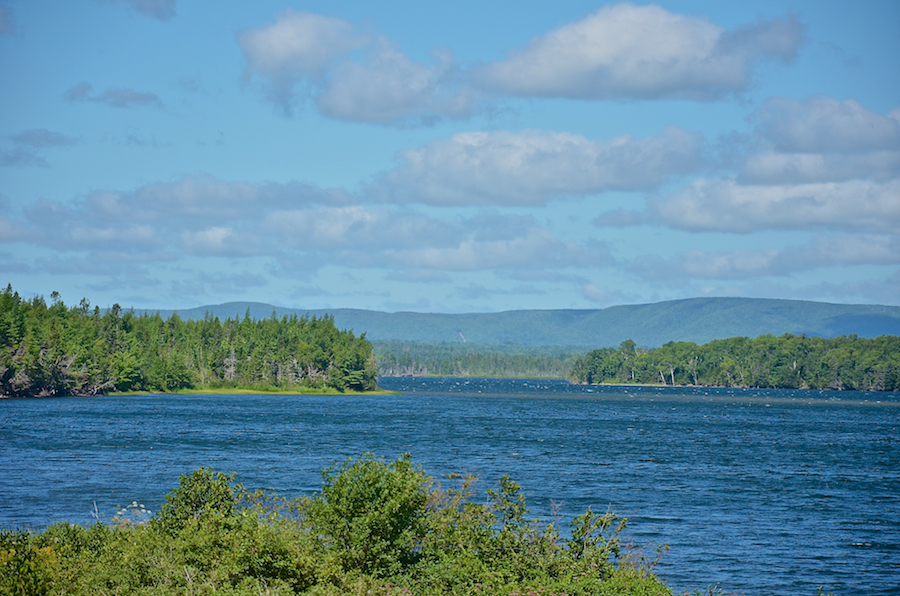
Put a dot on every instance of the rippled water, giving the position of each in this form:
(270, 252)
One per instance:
(757, 491)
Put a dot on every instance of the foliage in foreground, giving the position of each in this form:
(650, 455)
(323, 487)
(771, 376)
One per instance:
(375, 528)
(56, 350)
(786, 362)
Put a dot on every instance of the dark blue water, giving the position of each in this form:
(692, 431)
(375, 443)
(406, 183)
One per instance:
(756, 491)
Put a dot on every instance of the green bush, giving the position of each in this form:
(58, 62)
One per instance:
(202, 493)
(376, 527)
(370, 515)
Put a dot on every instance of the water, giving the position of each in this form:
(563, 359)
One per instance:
(756, 491)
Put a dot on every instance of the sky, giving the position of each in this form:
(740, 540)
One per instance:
(462, 156)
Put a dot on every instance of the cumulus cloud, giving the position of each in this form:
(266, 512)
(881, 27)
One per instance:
(163, 10)
(853, 249)
(298, 43)
(183, 214)
(117, 97)
(533, 167)
(643, 52)
(819, 162)
(825, 125)
(387, 87)
(821, 139)
(621, 51)
(359, 236)
(535, 249)
(725, 206)
(351, 75)
(771, 167)
(297, 50)
(356, 228)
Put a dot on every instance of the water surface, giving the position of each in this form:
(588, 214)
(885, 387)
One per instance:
(757, 491)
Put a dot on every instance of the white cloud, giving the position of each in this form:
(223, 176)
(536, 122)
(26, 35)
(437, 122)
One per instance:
(291, 224)
(536, 249)
(315, 54)
(387, 87)
(597, 294)
(357, 228)
(799, 168)
(621, 51)
(819, 162)
(628, 51)
(219, 241)
(298, 43)
(831, 251)
(533, 167)
(165, 216)
(725, 206)
(820, 139)
(825, 125)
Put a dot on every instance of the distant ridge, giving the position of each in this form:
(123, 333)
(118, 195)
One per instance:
(650, 325)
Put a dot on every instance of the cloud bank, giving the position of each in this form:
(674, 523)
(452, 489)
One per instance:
(293, 224)
(823, 251)
(817, 163)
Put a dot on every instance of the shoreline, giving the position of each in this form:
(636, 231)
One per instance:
(228, 391)
(251, 391)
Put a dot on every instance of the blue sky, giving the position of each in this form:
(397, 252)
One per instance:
(449, 157)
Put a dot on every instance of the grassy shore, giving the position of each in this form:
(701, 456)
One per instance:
(257, 391)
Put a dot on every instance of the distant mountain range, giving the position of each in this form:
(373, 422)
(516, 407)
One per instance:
(650, 325)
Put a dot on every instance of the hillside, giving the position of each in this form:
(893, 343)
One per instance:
(650, 325)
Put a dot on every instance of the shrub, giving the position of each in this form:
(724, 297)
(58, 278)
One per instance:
(201, 493)
(370, 514)
(380, 528)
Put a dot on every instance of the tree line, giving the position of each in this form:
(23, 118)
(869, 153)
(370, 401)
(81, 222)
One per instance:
(51, 349)
(788, 362)
(508, 361)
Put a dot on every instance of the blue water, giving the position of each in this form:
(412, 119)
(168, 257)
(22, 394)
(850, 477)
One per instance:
(756, 491)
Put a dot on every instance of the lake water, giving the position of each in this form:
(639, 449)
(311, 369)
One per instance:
(756, 491)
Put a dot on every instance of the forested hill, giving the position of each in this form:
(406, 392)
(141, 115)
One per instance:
(52, 349)
(697, 320)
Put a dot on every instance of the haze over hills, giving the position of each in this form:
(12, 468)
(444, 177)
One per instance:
(650, 325)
